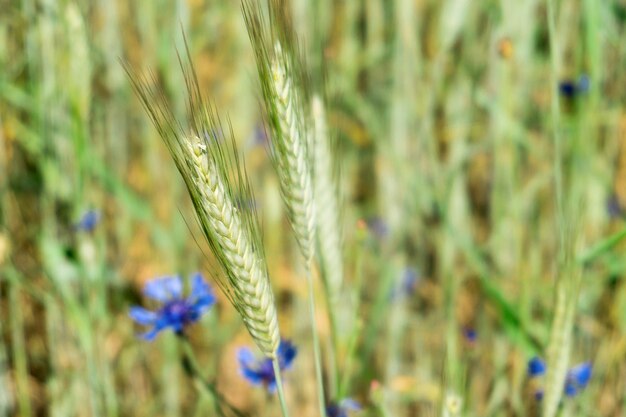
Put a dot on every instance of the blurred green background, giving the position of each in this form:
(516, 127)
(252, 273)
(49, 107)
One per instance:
(445, 113)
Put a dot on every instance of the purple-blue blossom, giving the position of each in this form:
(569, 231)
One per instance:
(576, 378)
(536, 367)
(176, 312)
(342, 408)
(260, 371)
(570, 88)
(408, 281)
(88, 221)
(470, 334)
(378, 227)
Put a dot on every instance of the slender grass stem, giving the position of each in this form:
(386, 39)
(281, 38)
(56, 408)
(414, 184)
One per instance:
(279, 387)
(334, 345)
(568, 274)
(350, 359)
(556, 120)
(357, 330)
(191, 367)
(19, 351)
(316, 341)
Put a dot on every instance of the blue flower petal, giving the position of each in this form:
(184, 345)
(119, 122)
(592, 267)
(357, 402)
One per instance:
(204, 303)
(260, 371)
(570, 389)
(143, 316)
(88, 221)
(202, 295)
(334, 410)
(151, 335)
(198, 286)
(286, 354)
(245, 357)
(350, 404)
(342, 408)
(470, 334)
(158, 326)
(580, 374)
(174, 286)
(271, 387)
(252, 376)
(247, 362)
(536, 367)
(158, 289)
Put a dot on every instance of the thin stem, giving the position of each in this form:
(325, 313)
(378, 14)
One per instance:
(279, 386)
(191, 367)
(556, 121)
(358, 325)
(19, 351)
(316, 342)
(334, 343)
(558, 349)
(350, 357)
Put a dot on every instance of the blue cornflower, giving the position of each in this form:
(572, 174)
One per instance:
(258, 137)
(261, 371)
(342, 408)
(408, 282)
(571, 88)
(614, 208)
(177, 311)
(410, 279)
(576, 379)
(378, 227)
(536, 367)
(88, 221)
(470, 334)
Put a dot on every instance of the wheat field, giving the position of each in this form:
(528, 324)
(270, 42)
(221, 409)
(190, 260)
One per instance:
(313, 208)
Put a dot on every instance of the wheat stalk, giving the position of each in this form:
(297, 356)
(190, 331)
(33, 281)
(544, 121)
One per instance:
(281, 75)
(216, 182)
(558, 351)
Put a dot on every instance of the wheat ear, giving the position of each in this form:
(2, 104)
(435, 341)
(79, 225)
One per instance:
(292, 154)
(216, 181)
(281, 75)
(282, 82)
(221, 220)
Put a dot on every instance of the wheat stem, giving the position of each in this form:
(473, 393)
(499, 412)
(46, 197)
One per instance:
(560, 338)
(328, 224)
(279, 386)
(294, 172)
(316, 342)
